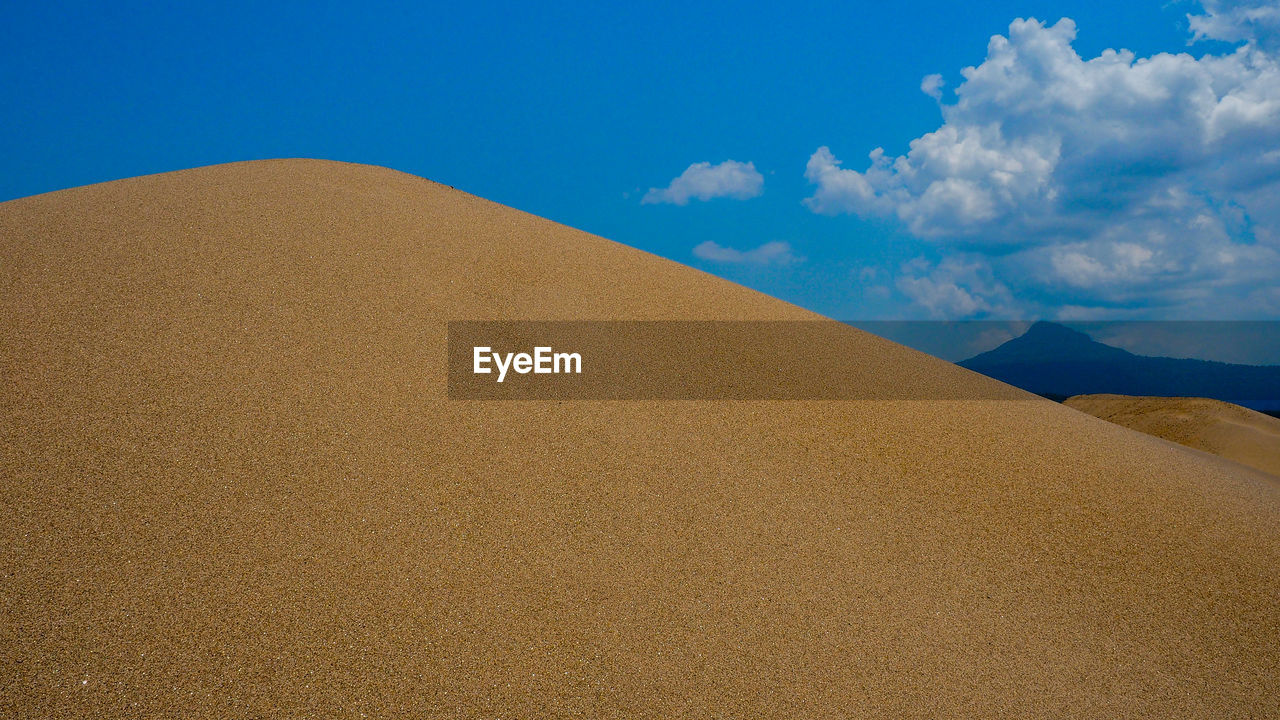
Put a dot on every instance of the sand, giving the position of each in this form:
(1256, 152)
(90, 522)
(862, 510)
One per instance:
(1238, 433)
(235, 487)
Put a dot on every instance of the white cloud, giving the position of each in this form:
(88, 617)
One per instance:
(955, 287)
(1118, 178)
(705, 181)
(770, 253)
(1081, 269)
(1250, 21)
(931, 85)
(839, 189)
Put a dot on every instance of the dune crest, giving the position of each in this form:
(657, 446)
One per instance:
(235, 486)
(1236, 433)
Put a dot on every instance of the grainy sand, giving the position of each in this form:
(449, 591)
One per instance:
(1234, 432)
(234, 488)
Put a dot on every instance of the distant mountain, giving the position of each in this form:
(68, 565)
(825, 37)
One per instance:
(1057, 362)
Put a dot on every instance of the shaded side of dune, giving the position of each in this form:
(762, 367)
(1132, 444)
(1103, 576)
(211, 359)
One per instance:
(235, 486)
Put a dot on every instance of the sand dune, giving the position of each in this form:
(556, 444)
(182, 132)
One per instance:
(234, 487)
(1234, 432)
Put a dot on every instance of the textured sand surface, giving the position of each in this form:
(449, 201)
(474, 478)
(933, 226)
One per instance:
(1234, 432)
(234, 487)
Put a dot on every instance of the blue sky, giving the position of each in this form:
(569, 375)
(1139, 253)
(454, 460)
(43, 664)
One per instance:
(1132, 187)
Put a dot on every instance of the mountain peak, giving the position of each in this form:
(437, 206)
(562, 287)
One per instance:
(1048, 341)
(1046, 331)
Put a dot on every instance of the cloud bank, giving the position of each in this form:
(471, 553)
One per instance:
(1113, 182)
(770, 253)
(704, 181)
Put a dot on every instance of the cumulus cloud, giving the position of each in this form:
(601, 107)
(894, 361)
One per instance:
(1255, 21)
(770, 253)
(705, 181)
(1084, 269)
(1114, 178)
(955, 287)
(931, 85)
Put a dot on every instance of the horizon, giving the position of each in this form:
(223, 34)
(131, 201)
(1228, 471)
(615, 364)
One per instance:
(1255, 343)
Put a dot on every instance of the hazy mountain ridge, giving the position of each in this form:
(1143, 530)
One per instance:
(1058, 362)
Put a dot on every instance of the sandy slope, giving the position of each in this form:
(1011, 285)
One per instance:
(1234, 432)
(234, 488)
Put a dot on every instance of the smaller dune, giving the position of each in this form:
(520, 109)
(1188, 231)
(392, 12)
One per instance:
(1233, 432)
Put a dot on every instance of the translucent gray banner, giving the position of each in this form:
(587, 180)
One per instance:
(830, 360)
(711, 360)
